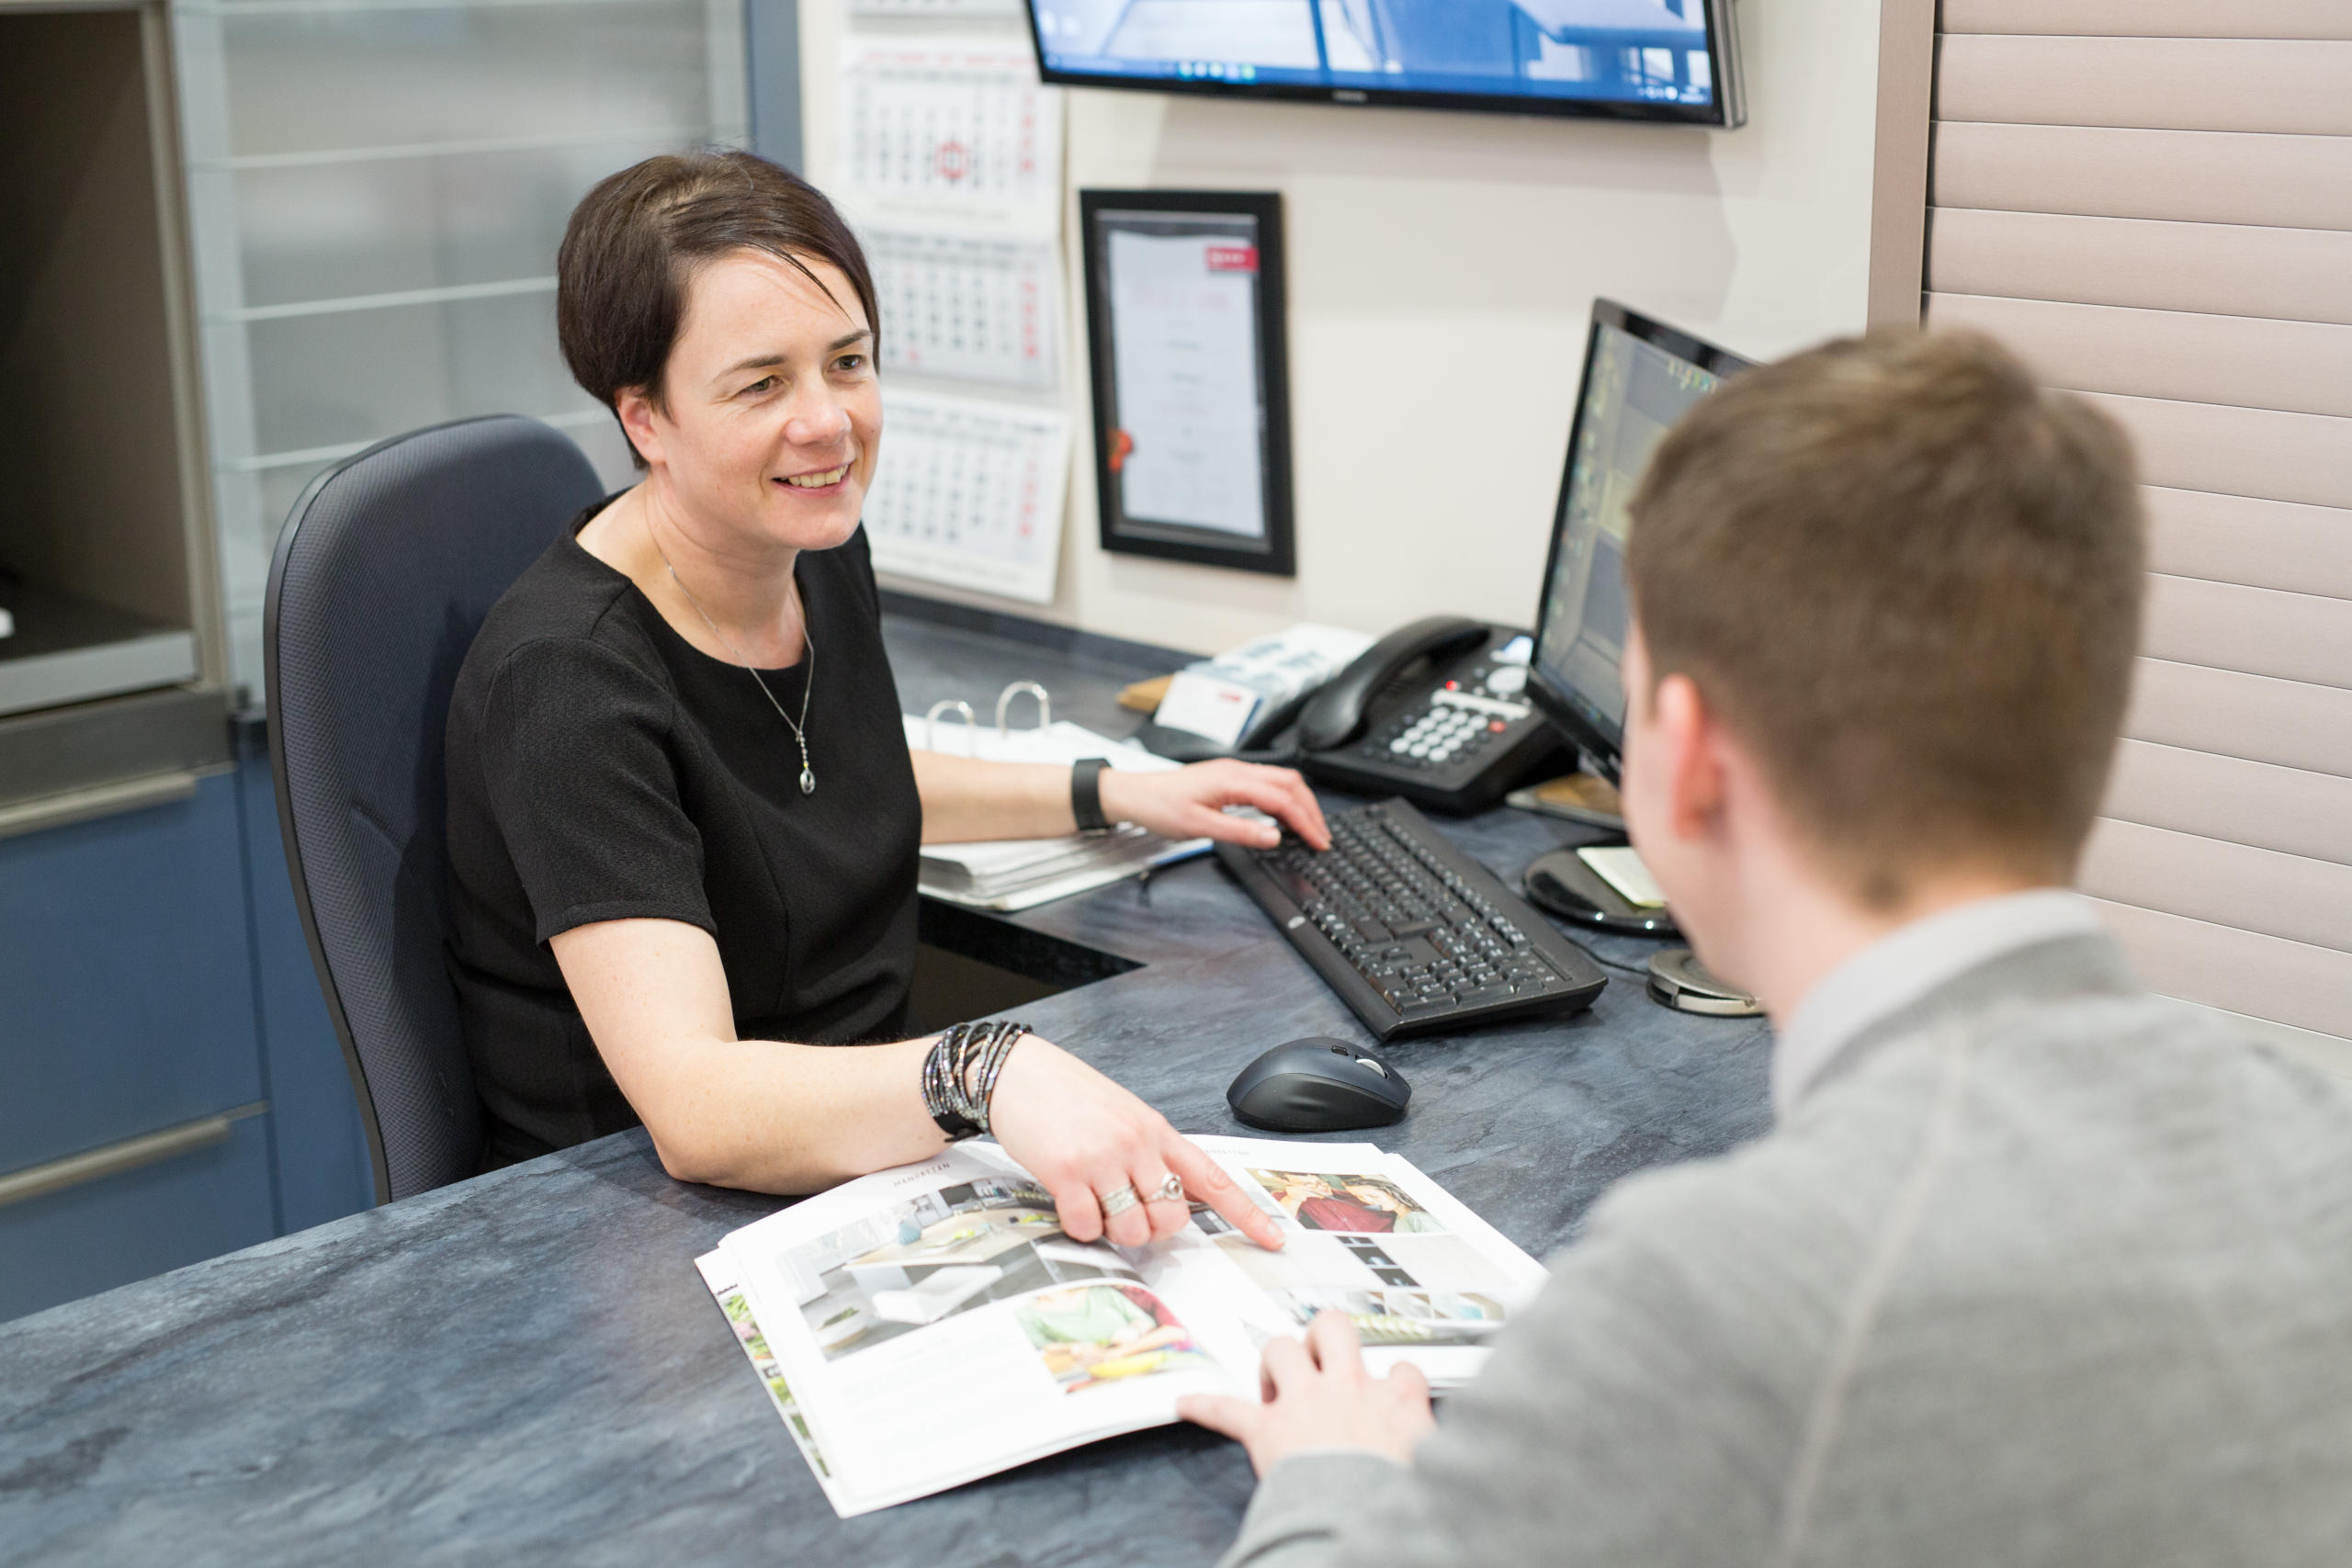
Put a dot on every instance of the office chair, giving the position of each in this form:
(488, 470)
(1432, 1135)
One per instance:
(382, 575)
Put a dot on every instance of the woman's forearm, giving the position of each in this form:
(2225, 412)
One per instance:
(771, 1116)
(964, 800)
(778, 1118)
(750, 1114)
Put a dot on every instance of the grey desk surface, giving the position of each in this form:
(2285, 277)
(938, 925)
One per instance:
(525, 1367)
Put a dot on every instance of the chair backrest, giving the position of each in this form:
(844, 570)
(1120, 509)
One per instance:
(382, 575)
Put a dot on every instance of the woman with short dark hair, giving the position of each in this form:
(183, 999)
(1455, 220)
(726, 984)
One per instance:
(684, 820)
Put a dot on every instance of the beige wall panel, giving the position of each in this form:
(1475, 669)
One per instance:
(2231, 885)
(2286, 809)
(2295, 87)
(2153, 18)
(2247, 361)
(2302, 181)
(2238, 451)
(1477, 242)
(2292, 983)
(2225, 269)
(2289, 723)
(2237, 539)
(2295, 637)
(1902, 139)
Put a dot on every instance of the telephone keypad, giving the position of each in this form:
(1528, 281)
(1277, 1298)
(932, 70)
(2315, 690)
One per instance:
(1451, 728)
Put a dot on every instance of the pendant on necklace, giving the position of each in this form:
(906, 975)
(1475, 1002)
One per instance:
(808, 780)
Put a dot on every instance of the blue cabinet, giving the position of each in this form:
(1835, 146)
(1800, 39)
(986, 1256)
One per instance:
(97, 1234)
(153, 974)
(126, 978)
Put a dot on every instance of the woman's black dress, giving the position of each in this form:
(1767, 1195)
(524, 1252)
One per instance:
(601, 767)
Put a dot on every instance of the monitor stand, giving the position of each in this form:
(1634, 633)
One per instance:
(1679, 981)
(1562, 884)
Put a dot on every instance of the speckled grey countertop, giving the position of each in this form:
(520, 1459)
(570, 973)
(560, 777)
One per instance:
(525, 1367)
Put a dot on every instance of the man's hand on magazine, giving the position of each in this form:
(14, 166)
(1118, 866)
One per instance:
(1085, 1137)
(1316, 1395)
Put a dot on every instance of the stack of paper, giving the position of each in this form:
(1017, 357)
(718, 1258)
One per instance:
(1019, 873)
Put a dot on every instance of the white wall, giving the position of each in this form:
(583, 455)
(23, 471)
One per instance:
(1441, 267)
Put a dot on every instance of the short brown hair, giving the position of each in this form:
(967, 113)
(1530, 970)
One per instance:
(636, 240)
(1909, 578)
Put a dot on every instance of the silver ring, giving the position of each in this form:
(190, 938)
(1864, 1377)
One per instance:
(1170, 1190)
(1119, 1200)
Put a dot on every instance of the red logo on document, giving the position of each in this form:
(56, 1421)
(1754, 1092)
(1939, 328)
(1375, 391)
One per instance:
(954, 161)
(1232, 258)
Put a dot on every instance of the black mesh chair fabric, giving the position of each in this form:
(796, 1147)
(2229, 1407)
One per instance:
(383, 573)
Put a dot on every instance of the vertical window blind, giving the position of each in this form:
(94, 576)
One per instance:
(2152, 201)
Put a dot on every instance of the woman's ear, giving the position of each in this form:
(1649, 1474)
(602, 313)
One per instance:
(639, 421)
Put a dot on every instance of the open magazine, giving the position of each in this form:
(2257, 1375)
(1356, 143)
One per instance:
(928, 1326)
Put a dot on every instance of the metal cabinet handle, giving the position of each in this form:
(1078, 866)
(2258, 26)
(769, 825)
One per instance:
(90, 1165)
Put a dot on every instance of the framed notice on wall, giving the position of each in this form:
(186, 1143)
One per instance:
(1192, 401)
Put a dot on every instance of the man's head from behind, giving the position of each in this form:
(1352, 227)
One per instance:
(1887, 595)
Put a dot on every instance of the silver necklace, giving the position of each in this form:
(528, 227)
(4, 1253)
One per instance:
(809, 678)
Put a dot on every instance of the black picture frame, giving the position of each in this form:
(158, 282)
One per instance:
(1258, 216)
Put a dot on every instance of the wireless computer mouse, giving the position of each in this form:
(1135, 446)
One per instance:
(1318, 1085)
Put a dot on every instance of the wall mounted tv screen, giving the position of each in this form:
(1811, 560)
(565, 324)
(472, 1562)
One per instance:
(1668, 59)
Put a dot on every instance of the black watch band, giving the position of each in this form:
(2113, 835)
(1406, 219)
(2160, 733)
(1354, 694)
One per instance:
(1086, 794)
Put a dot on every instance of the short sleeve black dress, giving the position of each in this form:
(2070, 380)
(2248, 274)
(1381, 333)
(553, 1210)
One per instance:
(601, 767)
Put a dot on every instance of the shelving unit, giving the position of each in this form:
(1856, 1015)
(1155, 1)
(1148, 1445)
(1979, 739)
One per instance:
(111, 680)
(63, 648)
(377, 190)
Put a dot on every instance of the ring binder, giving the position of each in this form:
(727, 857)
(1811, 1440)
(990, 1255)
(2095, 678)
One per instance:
(1018, 873)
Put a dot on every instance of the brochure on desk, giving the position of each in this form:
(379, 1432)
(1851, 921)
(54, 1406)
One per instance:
(928, 1326)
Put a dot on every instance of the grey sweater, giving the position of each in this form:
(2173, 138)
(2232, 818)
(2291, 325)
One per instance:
(2041, 1271)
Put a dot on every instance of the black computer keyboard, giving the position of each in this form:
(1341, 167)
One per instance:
(1415, 935)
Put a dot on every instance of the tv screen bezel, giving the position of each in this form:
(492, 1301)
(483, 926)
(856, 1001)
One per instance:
(1721, 111)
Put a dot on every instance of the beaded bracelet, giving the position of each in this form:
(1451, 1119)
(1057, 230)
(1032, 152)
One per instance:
(949, 1123)
(959, 1075)
(937, 1075)
(992, 1066)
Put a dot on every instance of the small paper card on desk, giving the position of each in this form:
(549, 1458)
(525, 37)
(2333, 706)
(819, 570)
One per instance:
(1219, 698)
(1206, 704)
(1620, 866)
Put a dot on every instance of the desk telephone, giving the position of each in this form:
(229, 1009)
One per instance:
(1436, 712)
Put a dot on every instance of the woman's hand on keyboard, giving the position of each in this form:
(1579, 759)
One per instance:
(1190, 802)
(1084, 1138)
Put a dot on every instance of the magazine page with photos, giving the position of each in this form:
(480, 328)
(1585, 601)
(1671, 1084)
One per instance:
(928, 1326)
(1366, 1234)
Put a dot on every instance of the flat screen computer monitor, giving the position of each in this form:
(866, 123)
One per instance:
(1670, 60)
(1639, 377)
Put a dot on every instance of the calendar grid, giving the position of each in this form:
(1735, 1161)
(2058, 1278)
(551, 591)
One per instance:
(970, 493)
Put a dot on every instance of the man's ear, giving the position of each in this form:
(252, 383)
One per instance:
(638, 419)
(1689, 743)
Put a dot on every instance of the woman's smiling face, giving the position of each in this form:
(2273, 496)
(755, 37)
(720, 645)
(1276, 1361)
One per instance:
(771, 415)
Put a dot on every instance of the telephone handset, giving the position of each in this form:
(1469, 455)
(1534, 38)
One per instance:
(1335, 714)
(1435, 711)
